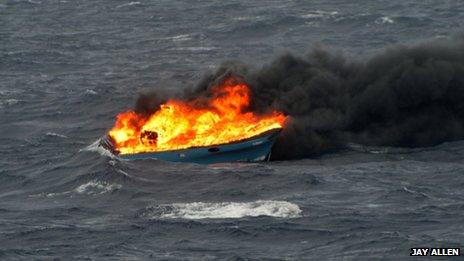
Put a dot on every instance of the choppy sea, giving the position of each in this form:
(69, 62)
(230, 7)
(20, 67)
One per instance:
(68, 67)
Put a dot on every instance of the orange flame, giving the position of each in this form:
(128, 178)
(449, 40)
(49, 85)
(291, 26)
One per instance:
(184, 124)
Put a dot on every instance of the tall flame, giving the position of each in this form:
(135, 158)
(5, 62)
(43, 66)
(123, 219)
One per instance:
(183, 124)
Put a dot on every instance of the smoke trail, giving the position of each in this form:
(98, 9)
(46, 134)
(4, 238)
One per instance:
(404, 96)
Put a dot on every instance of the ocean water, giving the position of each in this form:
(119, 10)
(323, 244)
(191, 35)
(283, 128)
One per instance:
(68, 67)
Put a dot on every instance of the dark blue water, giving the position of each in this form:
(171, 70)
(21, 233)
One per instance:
(68, 67)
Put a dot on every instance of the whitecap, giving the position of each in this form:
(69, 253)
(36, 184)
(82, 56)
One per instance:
(9, 102)
(181, 37)
(123, 172)
(177, 38)
(51, 195)
(411, 191)
(92, 187)
(384, 20)
(128, 4)
(319, 14)
(96, 187)
(9, 92)
(247, 18)
(90, 92)
(203, 210)
(53, 134)
(196, 48)
(95, 147)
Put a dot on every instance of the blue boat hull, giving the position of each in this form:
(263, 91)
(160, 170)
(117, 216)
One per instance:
(257, 148)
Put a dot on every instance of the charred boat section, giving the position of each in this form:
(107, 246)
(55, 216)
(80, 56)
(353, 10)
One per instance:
(254, 149)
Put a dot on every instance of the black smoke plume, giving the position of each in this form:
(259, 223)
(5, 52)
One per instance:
(405, 96)
(149, 102)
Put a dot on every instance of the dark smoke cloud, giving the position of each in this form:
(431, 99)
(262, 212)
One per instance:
(149, 102)
(404, 96)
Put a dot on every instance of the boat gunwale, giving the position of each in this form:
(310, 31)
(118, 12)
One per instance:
(273, 132)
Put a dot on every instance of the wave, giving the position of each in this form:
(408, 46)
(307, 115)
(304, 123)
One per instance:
(90, 92)
(92, 187)
(384, 20)
(177, 38)
(319, 14)
(248, 18)
(196, 48)
(128, 4)
(53, 134)
(99, 149)
(221, 210)
(8, 102)
(181, 37)
(96, 187)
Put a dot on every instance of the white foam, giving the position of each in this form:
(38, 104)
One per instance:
(92, 187)
(319, 14)
(90, 92)
(384, 20)
(128, 4)
(99, 149)
(96, 187)
(196, 48)
(177, 38)
(53, 134)
(202, 210)
(247, 18)
(181, 37)
(49, 195)
(9, 102)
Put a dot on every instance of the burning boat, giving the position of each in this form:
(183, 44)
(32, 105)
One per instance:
(257, 148)
(218, 126)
